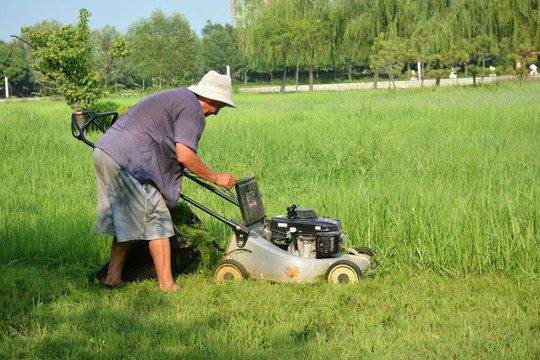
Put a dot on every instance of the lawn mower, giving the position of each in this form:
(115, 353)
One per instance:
(300, 246)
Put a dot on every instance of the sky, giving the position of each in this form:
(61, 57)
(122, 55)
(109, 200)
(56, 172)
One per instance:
(15, 14)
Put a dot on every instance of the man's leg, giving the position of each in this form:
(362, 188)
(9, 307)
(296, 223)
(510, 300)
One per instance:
(160, 249)
(119, 253)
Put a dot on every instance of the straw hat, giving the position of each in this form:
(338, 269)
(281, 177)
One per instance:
(216, 87)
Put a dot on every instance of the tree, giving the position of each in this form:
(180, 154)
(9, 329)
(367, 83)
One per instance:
(308, 36)
(486, 49)
(422, 39)
(436, 67)
(274, 41)
(387, 56)
(13, 66)
(218, 47)
(164, 47)
(474, 70)
(523, 55)
(63, 56)
(109, 44)
(456, 58)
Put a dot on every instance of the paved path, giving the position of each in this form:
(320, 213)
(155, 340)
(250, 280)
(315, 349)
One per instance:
(381, 84)
(353, 86)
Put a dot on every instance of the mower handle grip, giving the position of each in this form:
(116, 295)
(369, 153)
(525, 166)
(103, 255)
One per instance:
(78, 128)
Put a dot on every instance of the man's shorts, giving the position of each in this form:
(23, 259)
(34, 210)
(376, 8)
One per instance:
(126, 208)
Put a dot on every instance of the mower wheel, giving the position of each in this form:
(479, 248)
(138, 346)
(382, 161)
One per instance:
(229, 270)
(342, 272)
(365, 251)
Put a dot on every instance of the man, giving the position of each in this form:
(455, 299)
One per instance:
(139, 165)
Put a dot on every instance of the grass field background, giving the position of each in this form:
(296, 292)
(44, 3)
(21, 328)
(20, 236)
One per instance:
(442, 183)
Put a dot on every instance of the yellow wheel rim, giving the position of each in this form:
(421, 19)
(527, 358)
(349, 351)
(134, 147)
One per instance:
(227, 272)
(342, 274)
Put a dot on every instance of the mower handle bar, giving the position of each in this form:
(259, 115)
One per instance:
(93, 118)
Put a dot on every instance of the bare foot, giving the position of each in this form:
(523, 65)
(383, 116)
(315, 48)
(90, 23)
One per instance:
(169, 288)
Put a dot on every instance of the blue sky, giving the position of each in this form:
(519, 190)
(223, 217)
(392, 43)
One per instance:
(15, 14)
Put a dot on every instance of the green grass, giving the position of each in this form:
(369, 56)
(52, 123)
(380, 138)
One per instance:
(442, 183)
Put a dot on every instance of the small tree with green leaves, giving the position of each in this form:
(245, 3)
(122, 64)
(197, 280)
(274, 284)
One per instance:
(422, 39)
(436, 67)
(456, 58)
(387, 56)
(486, 49)
(63, 55)
(521, 57)
(474, 70)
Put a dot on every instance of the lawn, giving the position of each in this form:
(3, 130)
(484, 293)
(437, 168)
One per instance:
(442, 183)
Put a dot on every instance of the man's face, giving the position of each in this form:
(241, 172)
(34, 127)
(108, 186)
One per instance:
(210, 107)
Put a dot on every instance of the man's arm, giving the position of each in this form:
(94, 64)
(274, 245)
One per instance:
(189, 158)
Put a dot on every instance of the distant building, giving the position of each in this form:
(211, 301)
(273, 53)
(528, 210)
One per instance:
(240, 10)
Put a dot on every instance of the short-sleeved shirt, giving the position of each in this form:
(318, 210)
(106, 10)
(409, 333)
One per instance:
(143, 140)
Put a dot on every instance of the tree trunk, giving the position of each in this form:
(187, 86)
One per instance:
(422, 65)
(245, 77)
(483, 71)
(438, 81)
(282, 89)
(349, 70)
(311, 75)
(376, 78)
(297, 69)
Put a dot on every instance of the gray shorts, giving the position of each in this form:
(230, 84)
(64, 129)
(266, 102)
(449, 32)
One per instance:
(126, 208)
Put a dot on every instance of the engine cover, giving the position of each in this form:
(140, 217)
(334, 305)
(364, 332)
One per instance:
(302, 226)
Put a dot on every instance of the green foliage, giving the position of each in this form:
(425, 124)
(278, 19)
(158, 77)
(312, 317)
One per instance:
(522, 56)
(218, 48)
(164, 47)
(334, 37)
(63, 56)
(456, 58)
(387, 56)
(436, 67)
(106, 106)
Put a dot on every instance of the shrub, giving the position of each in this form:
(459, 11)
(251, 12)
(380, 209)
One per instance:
(105, 106)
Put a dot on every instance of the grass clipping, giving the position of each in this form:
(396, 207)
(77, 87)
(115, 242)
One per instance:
(195, 233)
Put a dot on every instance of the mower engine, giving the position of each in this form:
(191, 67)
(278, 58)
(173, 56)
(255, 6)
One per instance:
(303, 233)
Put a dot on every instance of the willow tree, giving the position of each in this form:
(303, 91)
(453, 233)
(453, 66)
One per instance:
(274, 42)
(353, 33)
(269, 37)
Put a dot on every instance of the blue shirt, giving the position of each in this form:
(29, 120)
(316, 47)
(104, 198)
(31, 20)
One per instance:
(143, 140)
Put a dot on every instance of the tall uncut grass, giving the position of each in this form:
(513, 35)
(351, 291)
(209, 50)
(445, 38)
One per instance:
(445, 179)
